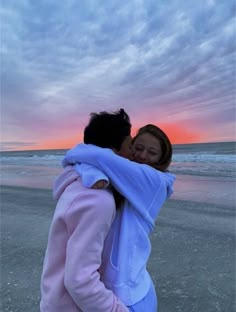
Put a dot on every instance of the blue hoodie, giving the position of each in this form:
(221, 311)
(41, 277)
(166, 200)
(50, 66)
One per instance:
(127, 248)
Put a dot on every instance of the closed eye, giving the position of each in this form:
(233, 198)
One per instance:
(153, 153)
(138, 148)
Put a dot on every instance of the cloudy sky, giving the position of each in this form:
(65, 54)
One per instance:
(167, 62)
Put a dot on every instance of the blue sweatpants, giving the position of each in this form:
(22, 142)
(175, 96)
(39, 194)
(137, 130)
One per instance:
(147, 304)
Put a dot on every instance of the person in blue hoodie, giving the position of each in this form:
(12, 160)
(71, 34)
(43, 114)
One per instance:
(145, 185)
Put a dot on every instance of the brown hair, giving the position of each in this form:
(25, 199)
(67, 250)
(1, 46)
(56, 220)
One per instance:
(166, 145)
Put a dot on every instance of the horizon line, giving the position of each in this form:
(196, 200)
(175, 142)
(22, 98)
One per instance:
(67, 148)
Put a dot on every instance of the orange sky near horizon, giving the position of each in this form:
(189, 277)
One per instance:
(178, 134)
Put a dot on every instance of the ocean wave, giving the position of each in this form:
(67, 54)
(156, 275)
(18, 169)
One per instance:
(188, 157)
(200, 157)
(32, 158)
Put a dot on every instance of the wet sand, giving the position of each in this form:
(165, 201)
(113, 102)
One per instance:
(192, 261)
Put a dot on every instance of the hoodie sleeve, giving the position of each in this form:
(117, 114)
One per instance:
(138, 183)
(88, 220)
(90, 175)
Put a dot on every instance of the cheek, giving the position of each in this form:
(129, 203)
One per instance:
(129, 153)
(134, 152)
(135, 155)
(157, 157)
(153, 159)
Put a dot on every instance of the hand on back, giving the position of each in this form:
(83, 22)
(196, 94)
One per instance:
(100, 184)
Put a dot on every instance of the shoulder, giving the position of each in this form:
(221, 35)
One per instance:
(76, 192)
(98, 203)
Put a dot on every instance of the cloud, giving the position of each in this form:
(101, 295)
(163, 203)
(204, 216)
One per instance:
(12, 146)
(63, 59)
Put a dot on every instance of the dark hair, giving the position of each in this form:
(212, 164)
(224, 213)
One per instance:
(107, 129)
(166, 145)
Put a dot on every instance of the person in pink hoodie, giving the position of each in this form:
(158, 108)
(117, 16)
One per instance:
(145, 185)
(70, 279)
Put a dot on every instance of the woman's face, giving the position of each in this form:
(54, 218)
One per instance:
(125, 150)
(146, 149)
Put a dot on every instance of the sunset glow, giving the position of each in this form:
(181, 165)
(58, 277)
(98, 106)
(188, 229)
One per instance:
(60, 61)
(176, 133)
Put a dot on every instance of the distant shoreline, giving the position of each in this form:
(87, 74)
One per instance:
(179, 145)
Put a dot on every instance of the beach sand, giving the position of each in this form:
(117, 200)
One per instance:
(192, 261)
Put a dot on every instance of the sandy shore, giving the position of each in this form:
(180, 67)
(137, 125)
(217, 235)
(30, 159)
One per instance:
(192, 262)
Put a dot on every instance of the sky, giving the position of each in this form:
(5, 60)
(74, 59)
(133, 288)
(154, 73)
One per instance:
(167, 62)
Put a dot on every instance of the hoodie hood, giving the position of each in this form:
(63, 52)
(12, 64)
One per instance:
(170, 179)
(68, 176)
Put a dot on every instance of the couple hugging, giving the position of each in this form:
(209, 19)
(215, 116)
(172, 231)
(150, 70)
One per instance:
(109, 195)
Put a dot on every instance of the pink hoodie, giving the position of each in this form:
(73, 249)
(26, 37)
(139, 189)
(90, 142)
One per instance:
(70, 279)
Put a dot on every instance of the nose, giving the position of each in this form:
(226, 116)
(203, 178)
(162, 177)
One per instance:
(143, 155)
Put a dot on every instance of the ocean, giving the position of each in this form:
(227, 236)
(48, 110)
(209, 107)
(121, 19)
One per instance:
(204, 171)
(192, 261)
